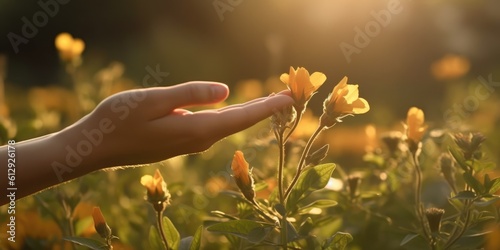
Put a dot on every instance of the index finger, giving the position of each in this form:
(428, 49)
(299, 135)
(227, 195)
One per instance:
(229, 121)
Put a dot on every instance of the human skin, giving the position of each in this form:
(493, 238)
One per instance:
(134, 127)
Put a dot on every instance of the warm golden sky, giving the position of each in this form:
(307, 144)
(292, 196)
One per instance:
(385, 46)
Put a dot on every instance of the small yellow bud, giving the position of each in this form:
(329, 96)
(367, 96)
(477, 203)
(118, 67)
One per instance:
(242, 176)
(100, 224)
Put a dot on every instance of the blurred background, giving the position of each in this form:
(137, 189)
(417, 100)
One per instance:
(229, 41)
(441, 56)
(429, 54)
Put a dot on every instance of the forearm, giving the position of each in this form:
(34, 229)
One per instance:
(40, 163)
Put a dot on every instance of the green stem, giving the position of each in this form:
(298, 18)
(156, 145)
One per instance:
(303, 158)
(160, 227)
(262, 212)
(281, 165)
(455, 237)
(284, 227)
(281, 144)
(297, 120)
(418, 201)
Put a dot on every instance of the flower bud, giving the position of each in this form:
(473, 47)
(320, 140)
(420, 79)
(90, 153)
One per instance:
(157, 192)
(470, 144)
(242, 176)
(392, 141)
(415, 128)
(100, 224)
(317, 156)
(434, 216)
(353, 182)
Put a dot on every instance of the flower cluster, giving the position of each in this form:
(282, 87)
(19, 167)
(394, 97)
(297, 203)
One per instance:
(343, 101)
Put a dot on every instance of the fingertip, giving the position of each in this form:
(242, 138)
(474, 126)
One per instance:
(280, 100)
(285, 92)
(220, 91)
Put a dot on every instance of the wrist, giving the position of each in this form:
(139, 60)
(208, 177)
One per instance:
(81, 153)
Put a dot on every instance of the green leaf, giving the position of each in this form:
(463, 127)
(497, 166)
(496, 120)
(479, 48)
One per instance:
(459, 157)
(185, 243)
(494, 185)
(223, 215)
(171, 233)
(338, 241)
(86, 242)
(474, 183)
(258, 234)
(465, 195)
(155, 241)
(479, 166)
(240, 228)
(487, 201)
(321, 204)
(196, 243)
(310, 180)
(317, 204)
(408, 238)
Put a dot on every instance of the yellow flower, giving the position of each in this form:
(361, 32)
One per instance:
(415, 127)
(241, 175)
(100, 224)
(343, 101)
(302, 85)
(69, 48)
(156, 187)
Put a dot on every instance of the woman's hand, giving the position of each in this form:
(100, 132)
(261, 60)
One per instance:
(134, 127)
(150, 125)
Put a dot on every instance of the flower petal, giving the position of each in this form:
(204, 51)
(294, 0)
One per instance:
(285, 78)
(147, 181)
(352, 93)
(415, 124)
(317, 79)
(97, 216)
(360, 106)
